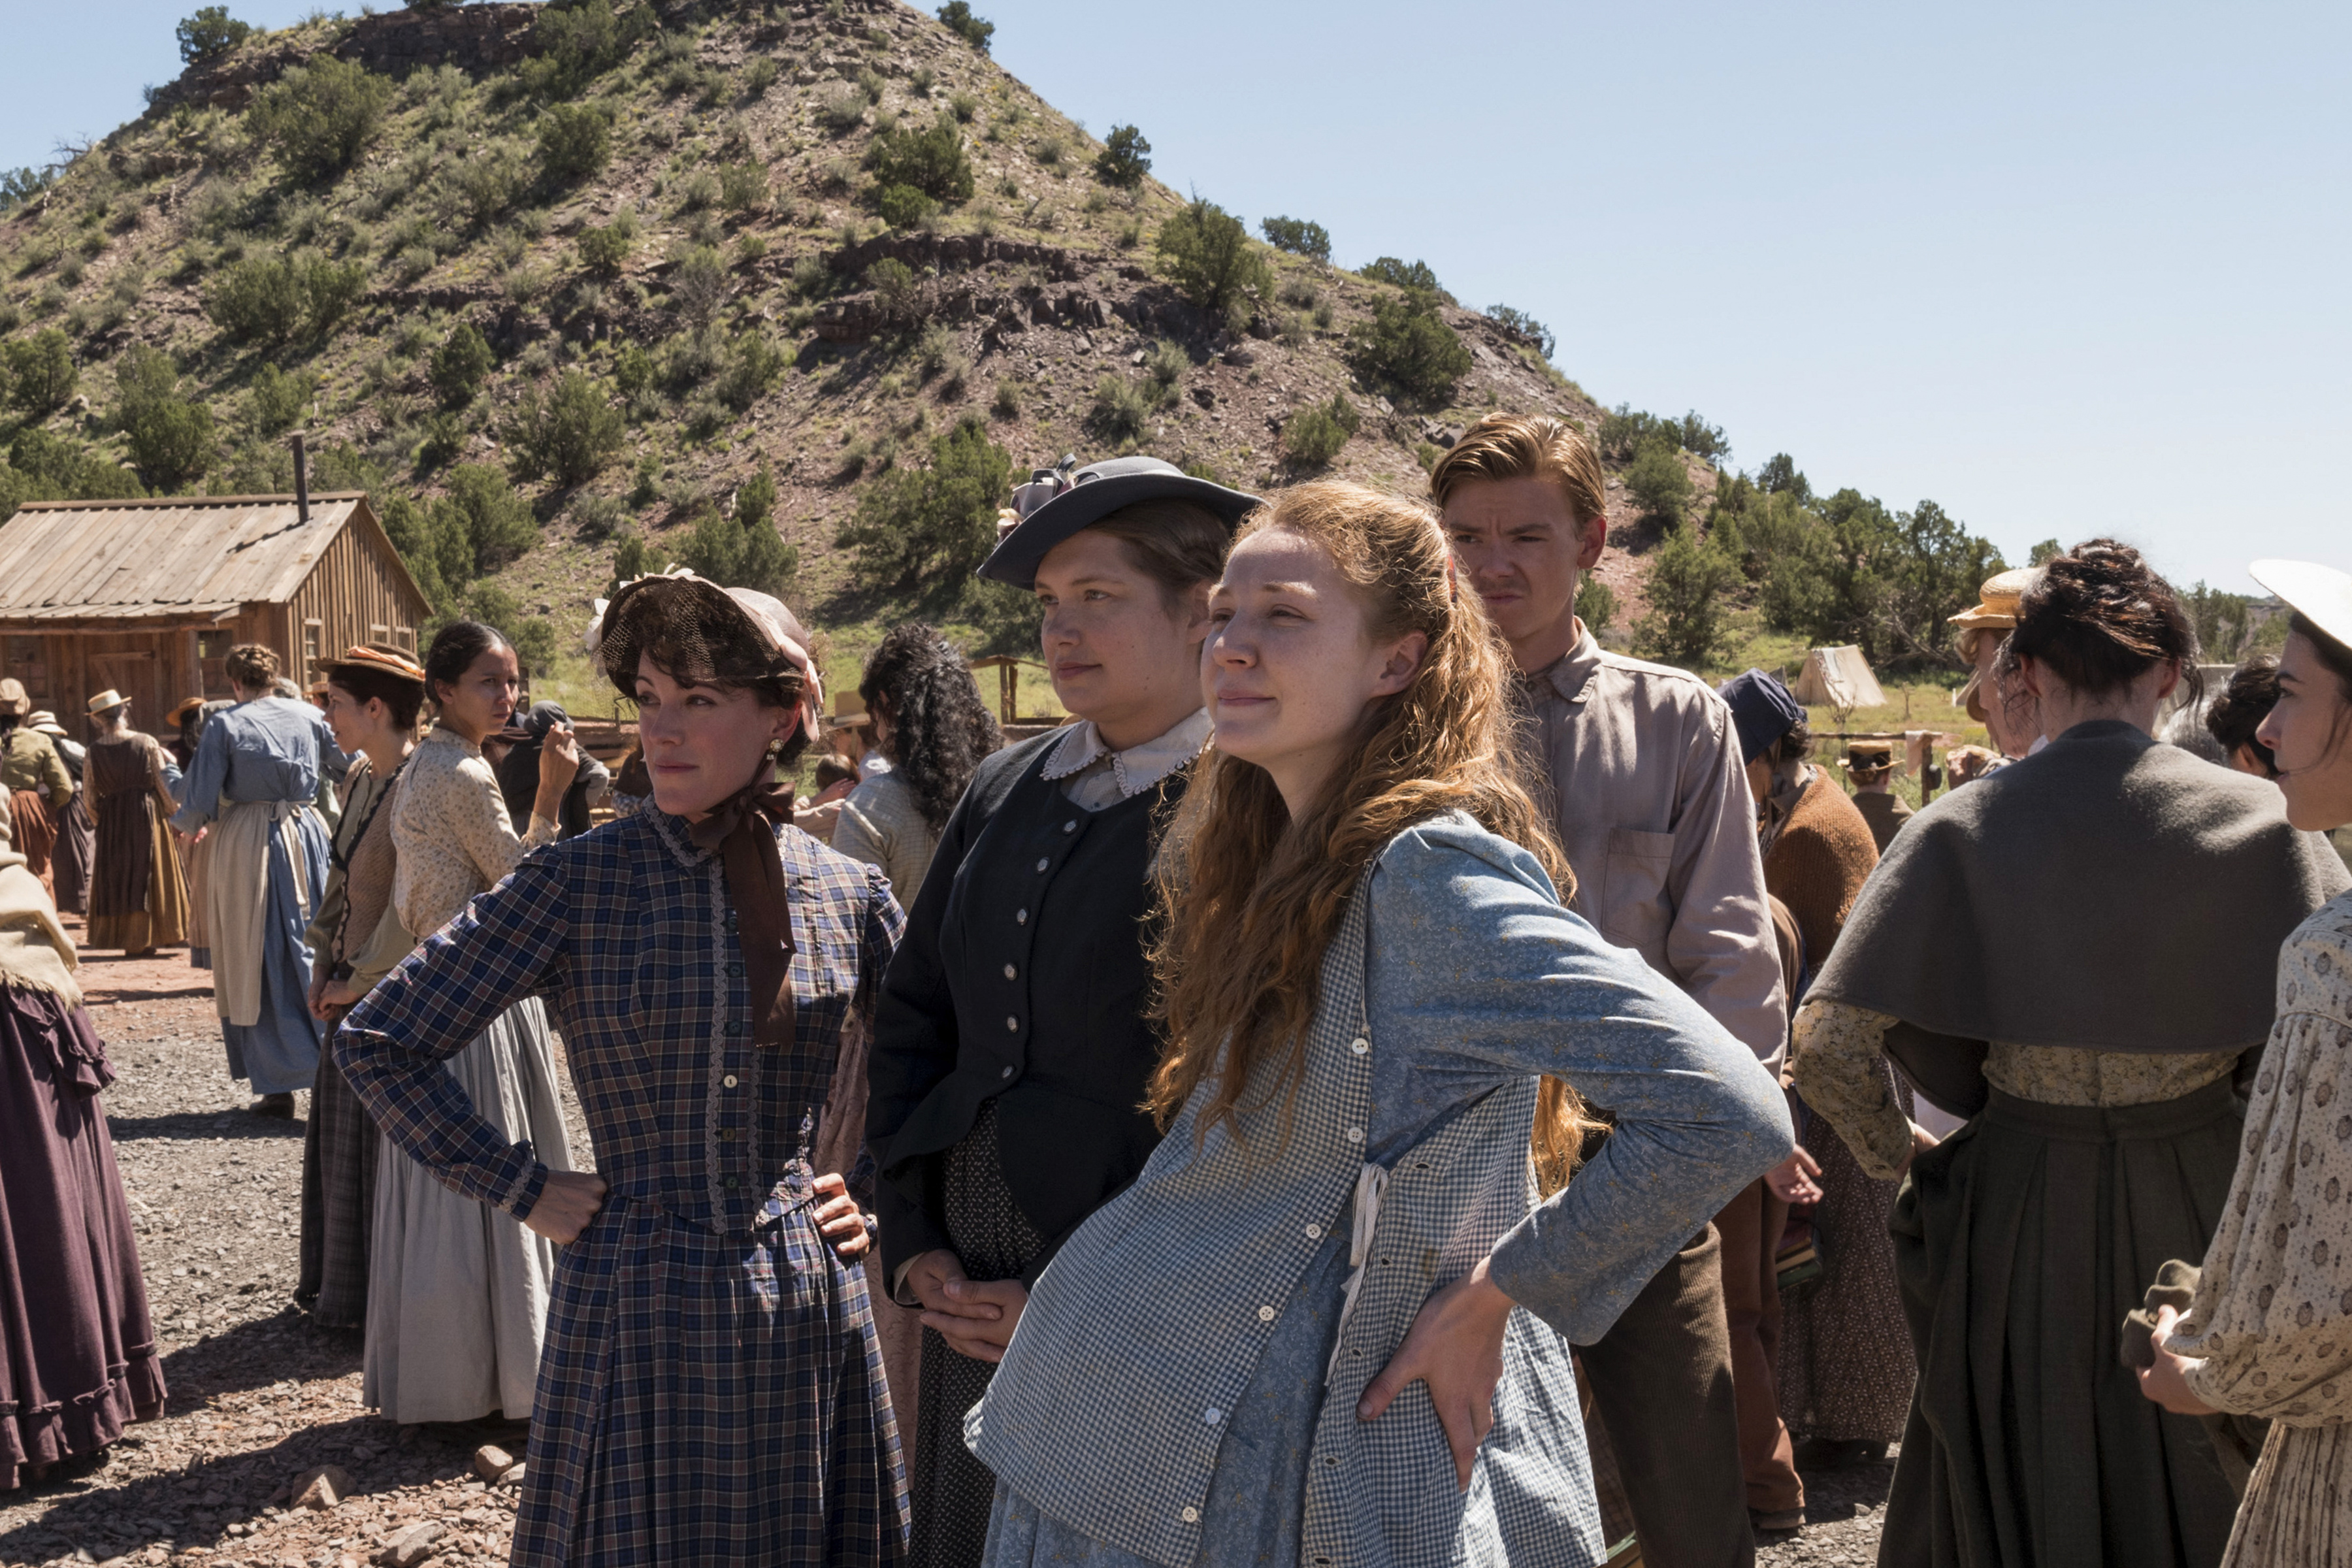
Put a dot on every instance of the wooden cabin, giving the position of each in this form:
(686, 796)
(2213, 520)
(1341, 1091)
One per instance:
(148, 596)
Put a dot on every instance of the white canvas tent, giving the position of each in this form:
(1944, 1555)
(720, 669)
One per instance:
(1838, 677)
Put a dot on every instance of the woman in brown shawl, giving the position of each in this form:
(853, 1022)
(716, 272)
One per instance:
(34, 779)
(139, 901)
(2076, 954)
(78, 1358)
(372, 699)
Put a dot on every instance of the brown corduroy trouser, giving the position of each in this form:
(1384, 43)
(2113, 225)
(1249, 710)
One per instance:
(1661, 1387)
(1751, 1229)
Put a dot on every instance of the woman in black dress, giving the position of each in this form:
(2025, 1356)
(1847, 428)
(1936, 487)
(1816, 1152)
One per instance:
(1011, 1042)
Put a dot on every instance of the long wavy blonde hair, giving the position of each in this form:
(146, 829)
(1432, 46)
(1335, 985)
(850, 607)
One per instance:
(1251, 900)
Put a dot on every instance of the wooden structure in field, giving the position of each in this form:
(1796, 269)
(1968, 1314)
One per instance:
(148, 596)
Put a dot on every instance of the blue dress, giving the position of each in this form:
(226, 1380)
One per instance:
(257, 770)
(1182, 1388)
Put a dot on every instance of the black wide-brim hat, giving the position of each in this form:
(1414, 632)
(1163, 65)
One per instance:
(1058, 503)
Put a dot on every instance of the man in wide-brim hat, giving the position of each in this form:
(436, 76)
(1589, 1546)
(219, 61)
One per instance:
(1984, 626)
(1870, 764)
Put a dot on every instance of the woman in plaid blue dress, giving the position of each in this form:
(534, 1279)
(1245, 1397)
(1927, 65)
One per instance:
(710, 1391)
(1329, 1322)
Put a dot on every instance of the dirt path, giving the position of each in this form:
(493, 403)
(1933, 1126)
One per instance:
(260, 1396)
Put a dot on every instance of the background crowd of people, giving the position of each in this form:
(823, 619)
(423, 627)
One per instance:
(1389, 1079)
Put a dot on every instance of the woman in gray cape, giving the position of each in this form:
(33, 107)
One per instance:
(2074, 953)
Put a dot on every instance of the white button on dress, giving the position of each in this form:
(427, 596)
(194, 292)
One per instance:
(1012, 1026)
(1011, 972)
(1265, 1314)
(1212, 1415)
(1355, 1134)
(1360, 1046)
(1044, 861)
(1314, 1233)
(1190, 1516)
(729, 1081)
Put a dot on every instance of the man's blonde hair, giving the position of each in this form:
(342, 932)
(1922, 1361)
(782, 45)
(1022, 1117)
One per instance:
(1524, 447)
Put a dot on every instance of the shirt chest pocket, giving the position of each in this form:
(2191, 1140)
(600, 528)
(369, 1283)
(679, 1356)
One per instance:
(1637, 914)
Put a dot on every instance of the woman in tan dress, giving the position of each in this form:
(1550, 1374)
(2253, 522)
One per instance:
(2269, 1332)
(138, 899)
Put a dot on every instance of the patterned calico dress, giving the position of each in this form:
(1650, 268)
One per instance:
(2272, 1321)
(710, 1389)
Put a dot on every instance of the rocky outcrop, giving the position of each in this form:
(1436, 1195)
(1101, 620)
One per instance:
(474, 38)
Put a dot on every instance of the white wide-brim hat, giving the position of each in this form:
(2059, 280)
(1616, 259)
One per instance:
(2320, 595)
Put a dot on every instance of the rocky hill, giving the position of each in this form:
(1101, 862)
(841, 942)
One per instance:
(711, 251)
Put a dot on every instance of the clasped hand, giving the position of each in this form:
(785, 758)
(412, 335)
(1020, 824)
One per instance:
(976, 1316)
(571, 1198)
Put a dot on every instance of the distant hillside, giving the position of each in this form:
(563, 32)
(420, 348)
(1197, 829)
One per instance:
(790, 292)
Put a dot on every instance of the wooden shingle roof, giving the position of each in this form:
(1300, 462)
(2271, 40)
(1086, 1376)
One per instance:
(180, 556)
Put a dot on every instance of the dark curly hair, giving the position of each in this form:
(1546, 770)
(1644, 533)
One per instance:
(939, 728)
(2242, 705)
(2099, 617)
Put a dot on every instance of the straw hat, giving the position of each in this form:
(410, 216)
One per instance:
(44, 721)
(13, 697)
(1868, 755)
(2320, 595)
(1998, 600)
(179, 711)
(105, 702)
(378, 661)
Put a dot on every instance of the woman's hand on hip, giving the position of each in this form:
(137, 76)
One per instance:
(839, 1219)
(1455, 1347)
(566, 1204)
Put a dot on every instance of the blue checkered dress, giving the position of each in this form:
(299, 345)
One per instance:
(711, 1387)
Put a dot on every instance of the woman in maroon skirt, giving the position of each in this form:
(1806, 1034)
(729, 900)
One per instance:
(78, 1358)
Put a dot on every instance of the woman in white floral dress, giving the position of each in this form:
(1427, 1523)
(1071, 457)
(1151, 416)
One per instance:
(2269, 1332)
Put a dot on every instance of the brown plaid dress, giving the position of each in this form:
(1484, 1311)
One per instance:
(711, 1386)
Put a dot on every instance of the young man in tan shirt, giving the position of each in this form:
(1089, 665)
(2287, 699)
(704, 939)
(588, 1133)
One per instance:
(1653, 808)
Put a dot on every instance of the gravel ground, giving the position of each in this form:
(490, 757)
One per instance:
(261, 1398)
(258, 1397)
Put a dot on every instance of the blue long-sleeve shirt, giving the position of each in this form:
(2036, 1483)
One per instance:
(269, 749)
(1167, 1393)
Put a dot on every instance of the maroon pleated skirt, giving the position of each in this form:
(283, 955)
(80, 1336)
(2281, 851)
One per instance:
(78, 1358)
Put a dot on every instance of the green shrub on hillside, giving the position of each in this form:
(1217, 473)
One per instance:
(1208, 254)
(897, 291)
(1689, 587)
(493, 521)
(753, 367)
(532, 637)
(575, 141)
(1406, 344)
(488, 180)
(277, 299)
(1124, 160)
(1313, 437)
(741, 553)
(1519, 324)
(169, 437)
(925, 530)
(1624, 431)
(570, 433)
(759, 77)
(606, 251)
(973, 30)
(842, 110)
(698, 284)
(1165, 363)
(1414, 277)
(1297, 236)
(40, 372)
(1596, 603)
(931, 160)
(577, 41)
(211, 32)
(279, 398)
(755, 500)
(963, 105)
(459, 365)
(1121, 412)
(1659, 482)
(903, 207)
(321, 116)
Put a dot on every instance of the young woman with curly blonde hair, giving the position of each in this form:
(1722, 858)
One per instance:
(1331, 1319)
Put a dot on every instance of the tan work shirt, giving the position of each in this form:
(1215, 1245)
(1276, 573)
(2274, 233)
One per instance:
(1653, 808)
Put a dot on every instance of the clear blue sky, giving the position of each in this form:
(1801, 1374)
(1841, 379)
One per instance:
(2064, 268)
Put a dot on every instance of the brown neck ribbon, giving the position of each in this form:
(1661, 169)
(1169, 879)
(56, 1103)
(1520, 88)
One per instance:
(742, 830)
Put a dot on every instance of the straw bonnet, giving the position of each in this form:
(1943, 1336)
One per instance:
(2320, 595)
(105, 702)
(745, 636)
(1868, 755)
(375, 662)
(44, 721)
(180, 711)
(13, 698)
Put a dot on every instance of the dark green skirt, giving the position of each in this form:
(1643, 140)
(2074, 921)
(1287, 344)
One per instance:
(2020, 1244)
